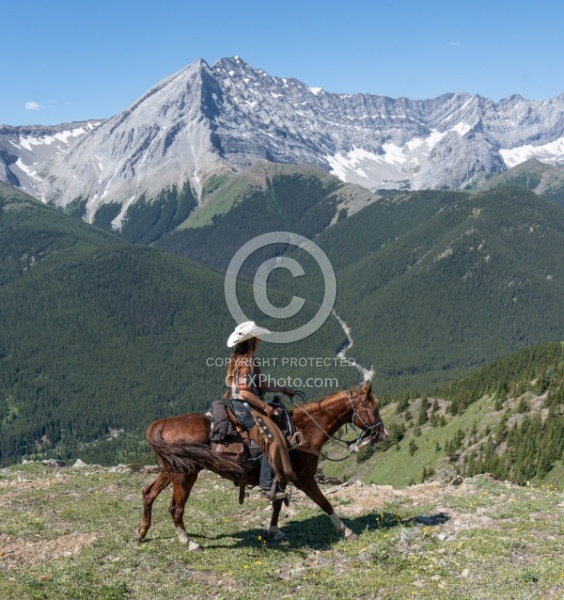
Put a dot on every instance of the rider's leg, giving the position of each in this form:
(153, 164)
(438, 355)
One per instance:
(242, 412)
(266, 474)
(268, 484)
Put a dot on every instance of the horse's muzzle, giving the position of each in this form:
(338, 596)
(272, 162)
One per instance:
(378, 433)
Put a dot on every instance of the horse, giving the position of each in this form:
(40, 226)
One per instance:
(182, 449)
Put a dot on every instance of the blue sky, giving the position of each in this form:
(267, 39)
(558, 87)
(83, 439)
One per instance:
(69, 60)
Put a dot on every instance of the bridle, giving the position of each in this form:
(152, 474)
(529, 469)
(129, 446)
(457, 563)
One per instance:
(370, 431)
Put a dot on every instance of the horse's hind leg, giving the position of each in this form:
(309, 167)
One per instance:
(150, 493)
(274, 530)
(182, 486)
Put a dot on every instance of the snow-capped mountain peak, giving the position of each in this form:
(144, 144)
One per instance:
(206, 119)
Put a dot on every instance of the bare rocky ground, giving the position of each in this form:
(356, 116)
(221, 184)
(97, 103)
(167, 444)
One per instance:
(17, 552)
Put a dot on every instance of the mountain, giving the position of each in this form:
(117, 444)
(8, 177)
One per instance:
(205, 121)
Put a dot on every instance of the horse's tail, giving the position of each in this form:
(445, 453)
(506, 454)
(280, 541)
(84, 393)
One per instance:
(186, 457)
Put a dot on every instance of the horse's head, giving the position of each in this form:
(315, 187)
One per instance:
(366, 415)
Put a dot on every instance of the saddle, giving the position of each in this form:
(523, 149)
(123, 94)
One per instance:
(229, 437)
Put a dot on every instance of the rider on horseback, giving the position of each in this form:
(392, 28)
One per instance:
(247, 392)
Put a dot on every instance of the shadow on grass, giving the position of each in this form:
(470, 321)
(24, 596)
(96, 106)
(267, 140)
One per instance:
(315, 532)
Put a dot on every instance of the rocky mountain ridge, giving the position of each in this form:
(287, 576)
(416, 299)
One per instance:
(205, 120)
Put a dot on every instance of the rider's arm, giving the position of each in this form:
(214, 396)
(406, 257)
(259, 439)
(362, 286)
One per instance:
(281, 389)
(255, 401)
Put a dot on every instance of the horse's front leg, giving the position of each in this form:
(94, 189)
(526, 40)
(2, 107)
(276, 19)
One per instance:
(310, 487)
(182, 486)
(150, 493)
(306, 482)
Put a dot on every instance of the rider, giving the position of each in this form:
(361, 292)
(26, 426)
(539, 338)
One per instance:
(247, 392)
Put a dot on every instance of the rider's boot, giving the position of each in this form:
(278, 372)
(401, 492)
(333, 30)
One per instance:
(268, 483)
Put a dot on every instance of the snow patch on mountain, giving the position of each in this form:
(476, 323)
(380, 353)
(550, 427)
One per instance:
(26, 169)
(62, 139)
(550, 153)
(393, 167)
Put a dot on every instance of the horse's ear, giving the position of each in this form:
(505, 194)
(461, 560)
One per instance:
(367, 387)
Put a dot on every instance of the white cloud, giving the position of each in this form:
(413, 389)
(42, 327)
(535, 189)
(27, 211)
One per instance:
(453, 44)
(33, 106)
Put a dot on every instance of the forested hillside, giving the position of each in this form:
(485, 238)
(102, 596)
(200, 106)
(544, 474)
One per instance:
(435, 283)
(99, 336)
(431, 283)
(299, 200)
(506, 418)
(527, 442)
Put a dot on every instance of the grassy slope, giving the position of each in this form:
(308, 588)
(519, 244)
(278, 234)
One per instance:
(496, 392)
(397, 466)
(545, 180)
(71, 534)
(223, 192)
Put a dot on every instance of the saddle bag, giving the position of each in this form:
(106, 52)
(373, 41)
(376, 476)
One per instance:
(222, 429)
(224, 436)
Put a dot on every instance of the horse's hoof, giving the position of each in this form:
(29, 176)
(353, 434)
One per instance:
(351, 537)
(193, 547)
(278, 535)
(141, 536)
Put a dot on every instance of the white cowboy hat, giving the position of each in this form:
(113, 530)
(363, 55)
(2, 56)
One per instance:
(246, 331)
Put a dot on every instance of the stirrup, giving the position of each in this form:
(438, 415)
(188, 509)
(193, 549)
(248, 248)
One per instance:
(297, 440)
(275, 493)
(274, 496)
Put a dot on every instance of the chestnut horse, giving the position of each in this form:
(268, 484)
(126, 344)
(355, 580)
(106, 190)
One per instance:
(182, 449)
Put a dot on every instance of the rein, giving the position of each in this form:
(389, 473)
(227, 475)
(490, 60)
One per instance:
(350, 446)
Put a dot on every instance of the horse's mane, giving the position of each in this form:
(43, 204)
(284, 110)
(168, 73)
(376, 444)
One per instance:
(317, 405)
(311, 409)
